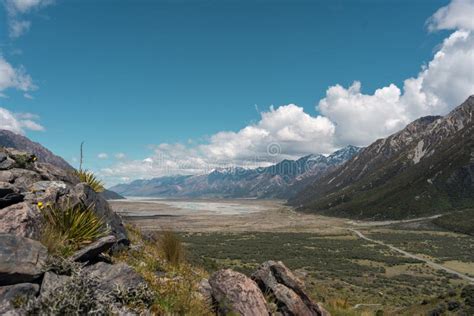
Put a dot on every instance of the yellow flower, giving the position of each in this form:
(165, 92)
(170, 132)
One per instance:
(40, 204)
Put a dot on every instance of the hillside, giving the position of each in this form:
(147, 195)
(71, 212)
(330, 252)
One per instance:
(426, 168)
(281, 180)
(11, 140)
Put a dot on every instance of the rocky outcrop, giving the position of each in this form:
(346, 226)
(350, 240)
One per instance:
(233, 292)
(287, 290)
(21, 259)
(25, 182)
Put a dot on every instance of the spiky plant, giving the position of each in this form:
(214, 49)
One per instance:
(68, 228)
(90, 178)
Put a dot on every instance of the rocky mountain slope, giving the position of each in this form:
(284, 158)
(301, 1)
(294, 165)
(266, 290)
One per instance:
(426, 168)
(11, 140)
(277, 181)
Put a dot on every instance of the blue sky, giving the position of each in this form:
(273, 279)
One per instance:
(124, 75)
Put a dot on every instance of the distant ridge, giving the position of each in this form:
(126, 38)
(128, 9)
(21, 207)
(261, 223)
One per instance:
(281, 180)
(426, 168)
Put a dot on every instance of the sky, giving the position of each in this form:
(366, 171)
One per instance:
(157, 88)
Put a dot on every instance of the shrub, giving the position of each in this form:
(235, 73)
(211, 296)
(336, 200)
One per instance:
(171, 247)
(80, 295)
(67, 229)
(90, 178)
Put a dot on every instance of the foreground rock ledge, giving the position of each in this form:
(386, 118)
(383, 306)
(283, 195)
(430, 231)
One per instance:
(21, 259)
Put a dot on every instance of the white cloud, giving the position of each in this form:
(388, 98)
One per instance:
(347, 116)
(444, 83)
(15, 78)
(17, 9)
(18, 123)
(459, 14)
(102, 156)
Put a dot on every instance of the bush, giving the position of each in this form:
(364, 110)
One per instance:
(67, 229)
(171, 247)
(90, 178)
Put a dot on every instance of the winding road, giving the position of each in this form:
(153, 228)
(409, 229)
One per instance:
(410, 255)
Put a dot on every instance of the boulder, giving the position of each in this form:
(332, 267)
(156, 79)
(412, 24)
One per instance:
(233, 292)
(288, 291)
(92, 251)
(112, 276)
(21, 219)
(51, 281)
(21, 259)
(11, 295)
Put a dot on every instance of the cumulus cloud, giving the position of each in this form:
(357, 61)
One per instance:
(16, 12)
(444, 83)
(459, 14)
(347, 115)
(18, 122)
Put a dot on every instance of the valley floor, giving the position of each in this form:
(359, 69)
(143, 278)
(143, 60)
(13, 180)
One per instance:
(358, 266)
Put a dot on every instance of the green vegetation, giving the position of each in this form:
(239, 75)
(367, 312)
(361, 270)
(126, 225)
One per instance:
(340, 271)
(441, 246)
(173, 282)
(90, 178)
(460, 222)
(66, 229)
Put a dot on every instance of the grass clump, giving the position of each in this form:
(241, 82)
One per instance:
(90, 178)
(175, 286)
(66, 229)
(171, 247)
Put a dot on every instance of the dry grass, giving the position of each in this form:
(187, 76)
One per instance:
(175, 285)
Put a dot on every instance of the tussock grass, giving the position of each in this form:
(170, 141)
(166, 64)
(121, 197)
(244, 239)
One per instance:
(91, 179)
(171, 247)
(66, 229)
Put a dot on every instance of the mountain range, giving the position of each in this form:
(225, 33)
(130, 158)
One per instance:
(280, 180)
(426, 168)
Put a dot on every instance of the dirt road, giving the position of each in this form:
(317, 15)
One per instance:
(410, 255)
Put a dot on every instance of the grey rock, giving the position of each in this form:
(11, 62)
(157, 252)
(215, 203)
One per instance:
(7, 164)
(6, 176)
(92, 251)
(291, 299)
(19, 292)
(233, 292)
(3, 156)
(21, 219)
(112, 276)
(52, 281)
(21, 259)
(9, 195)
(205, 289)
